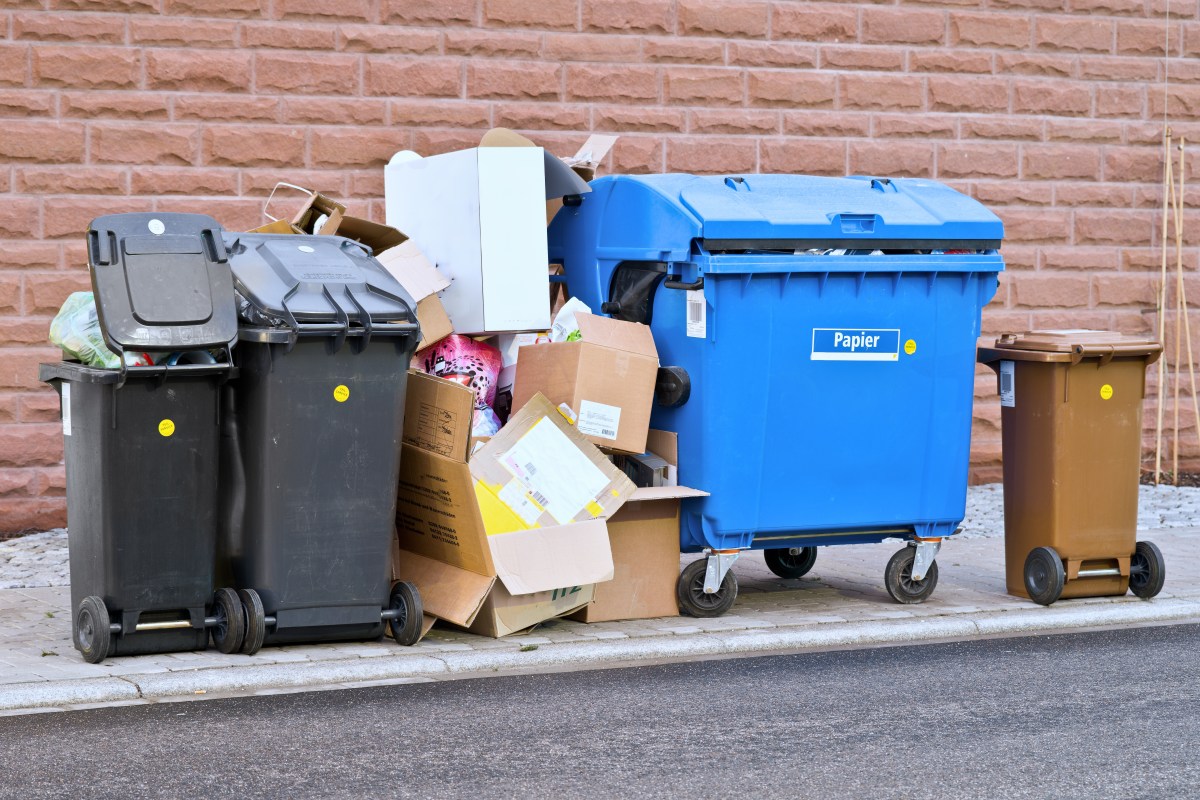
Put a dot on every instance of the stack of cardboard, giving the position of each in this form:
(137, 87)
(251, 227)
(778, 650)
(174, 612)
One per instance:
(534, 518)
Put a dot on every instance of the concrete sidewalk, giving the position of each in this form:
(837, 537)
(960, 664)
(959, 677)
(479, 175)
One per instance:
(842, 602)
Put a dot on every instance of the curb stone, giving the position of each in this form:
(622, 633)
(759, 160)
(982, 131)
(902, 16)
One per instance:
(582, 655)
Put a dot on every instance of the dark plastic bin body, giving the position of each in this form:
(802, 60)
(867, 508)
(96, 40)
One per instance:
(142, 488)
(314, 507)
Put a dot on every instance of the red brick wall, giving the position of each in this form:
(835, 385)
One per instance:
(1049, 111)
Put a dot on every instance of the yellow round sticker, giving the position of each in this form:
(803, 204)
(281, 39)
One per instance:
(166, 427)
(341, 393)
(1106, 392)
(910, 346)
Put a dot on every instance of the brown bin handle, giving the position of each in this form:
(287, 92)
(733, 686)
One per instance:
(1109, 351)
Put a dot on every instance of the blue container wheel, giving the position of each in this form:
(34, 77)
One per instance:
(817, 337)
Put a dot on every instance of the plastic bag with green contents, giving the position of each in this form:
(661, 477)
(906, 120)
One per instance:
(76, 329)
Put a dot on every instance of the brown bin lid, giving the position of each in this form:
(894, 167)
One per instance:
(1070, 345)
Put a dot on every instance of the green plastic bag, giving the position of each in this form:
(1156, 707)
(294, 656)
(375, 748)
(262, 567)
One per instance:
(76, 329)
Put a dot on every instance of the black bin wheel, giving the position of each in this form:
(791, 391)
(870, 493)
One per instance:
(92, 634)
(689, 591)
(898, 579)
(406, 625)
(1147, 570)
(256, 621)
(230, 629)
(790, 562)
(1044, 575)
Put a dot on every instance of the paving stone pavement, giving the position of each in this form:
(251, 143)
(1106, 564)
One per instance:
(841, 602)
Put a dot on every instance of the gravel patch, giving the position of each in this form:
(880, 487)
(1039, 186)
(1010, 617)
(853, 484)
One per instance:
(40, 559)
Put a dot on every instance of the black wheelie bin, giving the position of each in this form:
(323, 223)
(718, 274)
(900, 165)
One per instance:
(312, 447)
(141, 443)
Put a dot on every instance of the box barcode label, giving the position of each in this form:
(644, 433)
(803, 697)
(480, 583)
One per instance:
(1008, 388)
(524, 504)
(598, 419)
(697, 314)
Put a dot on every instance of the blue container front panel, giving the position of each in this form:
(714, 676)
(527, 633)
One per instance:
(805, 436)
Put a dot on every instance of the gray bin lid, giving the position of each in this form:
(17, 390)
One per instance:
(161, 282)
(316, 280)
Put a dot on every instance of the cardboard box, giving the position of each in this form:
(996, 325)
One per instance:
(402, 259)
(607, 378)
(479, 214)
(644, 536)
(318, 213)
(437, 415)
(465, 529)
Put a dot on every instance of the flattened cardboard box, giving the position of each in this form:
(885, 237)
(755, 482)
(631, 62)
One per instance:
(607, 378)
(644, 536)
(507, 581)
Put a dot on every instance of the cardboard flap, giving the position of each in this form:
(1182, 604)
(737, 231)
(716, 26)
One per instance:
(560, 179)
(542, 559)
(408, 265)
(436, 512)
(664, 444)
(632, 337)
(377, 236)
(593, 150)
(664, 493)
(447, 592)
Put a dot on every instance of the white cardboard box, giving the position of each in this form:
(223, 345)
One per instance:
(480, 216)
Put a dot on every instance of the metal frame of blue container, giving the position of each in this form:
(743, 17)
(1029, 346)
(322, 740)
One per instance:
(822, 394)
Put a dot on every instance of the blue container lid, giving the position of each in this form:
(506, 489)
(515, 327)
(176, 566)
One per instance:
(738, 212)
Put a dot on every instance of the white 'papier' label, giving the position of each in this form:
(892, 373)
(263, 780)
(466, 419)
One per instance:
(597, 419)
(697, 314)
(66, 408)
(1008, 384)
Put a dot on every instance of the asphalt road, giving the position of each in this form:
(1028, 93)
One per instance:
(1106, 714)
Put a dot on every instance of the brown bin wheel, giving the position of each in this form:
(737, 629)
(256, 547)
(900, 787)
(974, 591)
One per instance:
(1044, 575)
(898, 580)
(1147, 570)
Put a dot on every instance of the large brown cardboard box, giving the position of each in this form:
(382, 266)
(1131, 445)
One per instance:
(512, 537)
(607, 378)
(644, 536)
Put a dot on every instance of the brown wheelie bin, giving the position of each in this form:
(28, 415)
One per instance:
(1071, 416)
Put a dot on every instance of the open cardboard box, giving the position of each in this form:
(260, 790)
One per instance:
(607, 378)
(644, 536)
(323, 215)
(480, 215)
(477, 535)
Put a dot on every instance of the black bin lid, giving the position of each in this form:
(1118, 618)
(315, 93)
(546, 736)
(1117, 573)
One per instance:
(161, 282)
(315, 279)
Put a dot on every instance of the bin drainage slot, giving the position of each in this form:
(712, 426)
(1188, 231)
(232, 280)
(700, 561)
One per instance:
(1100, 572)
